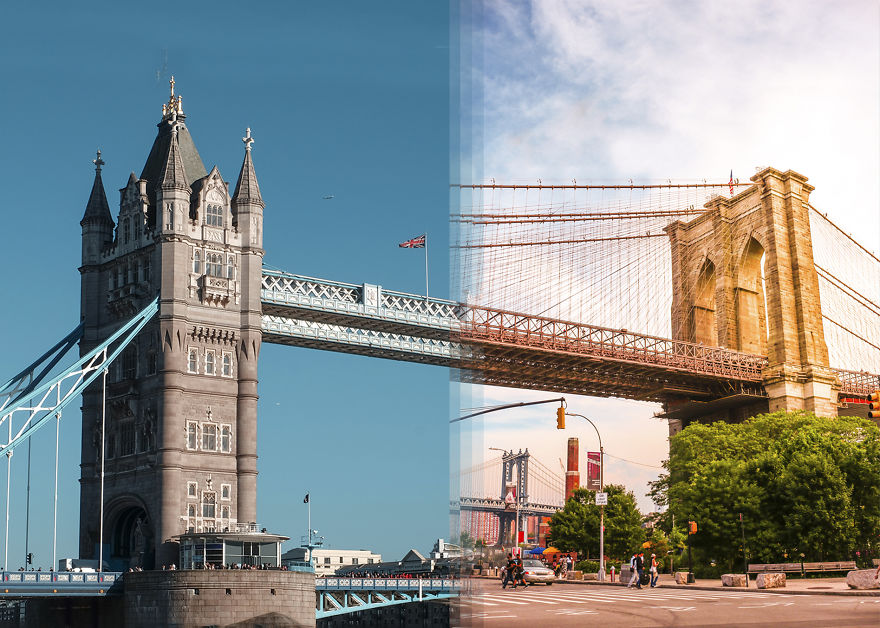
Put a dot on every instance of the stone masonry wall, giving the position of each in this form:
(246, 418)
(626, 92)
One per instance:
(192, 599)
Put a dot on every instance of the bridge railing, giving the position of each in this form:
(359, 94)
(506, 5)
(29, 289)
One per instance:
(488, 325)
(286, 288)
(386, 584)
(48, 583)
(857, 383)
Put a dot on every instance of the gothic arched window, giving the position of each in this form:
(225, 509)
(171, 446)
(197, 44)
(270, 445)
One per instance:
(197, 262)
(214, 216)
(214, 264)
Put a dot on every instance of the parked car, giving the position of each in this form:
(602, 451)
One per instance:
(535, 571)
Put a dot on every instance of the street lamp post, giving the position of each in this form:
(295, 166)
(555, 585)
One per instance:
(601, 574)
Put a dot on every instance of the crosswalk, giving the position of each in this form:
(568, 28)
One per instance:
(595, 596)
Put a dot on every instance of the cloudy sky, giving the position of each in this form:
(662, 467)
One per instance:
(650, 91)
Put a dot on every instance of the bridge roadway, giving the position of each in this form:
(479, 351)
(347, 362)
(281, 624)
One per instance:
(500, 348)
(497, 506)
(486, 604)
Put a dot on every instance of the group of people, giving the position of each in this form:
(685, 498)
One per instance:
(637, 566)
(561, 566)
(513, 572)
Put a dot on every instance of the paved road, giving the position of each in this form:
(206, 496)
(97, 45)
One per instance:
(572, 605)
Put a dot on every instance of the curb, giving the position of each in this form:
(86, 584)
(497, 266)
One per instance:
(703, 587)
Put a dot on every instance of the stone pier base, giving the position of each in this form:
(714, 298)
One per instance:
(193, 599)
(862, 579)
(734, 580)
(771, 580)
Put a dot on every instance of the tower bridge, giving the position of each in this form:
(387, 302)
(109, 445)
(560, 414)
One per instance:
(758, 317)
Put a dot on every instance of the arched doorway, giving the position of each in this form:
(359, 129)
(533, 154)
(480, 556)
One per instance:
(751, 313)
(131, 538)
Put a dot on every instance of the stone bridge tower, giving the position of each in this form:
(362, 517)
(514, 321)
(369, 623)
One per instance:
(181, 401)
(744, 278)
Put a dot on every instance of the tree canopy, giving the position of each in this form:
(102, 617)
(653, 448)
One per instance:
(807, 487)
(576, 526)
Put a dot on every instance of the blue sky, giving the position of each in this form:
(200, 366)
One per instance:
(602, 91)
(348, 99)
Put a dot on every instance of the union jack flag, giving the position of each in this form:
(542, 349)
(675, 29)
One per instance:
(731, 183)
(415, 243)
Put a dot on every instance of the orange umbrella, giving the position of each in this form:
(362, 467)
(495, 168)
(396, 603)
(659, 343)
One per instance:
(552, 550)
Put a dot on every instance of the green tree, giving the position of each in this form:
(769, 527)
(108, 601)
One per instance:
(465, 540)
(576, 526)
(803, 484)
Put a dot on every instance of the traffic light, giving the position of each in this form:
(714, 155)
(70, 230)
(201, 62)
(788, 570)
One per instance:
(560, 418)
(692, 527)
(30, 558)
(874, 406)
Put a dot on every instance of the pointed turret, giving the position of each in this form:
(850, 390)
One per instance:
(247, 202)
(247, 190)
(97, 209)
(172, 176)
(173, 123)
(97, 223)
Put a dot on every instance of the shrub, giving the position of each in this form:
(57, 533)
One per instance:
(587, 566)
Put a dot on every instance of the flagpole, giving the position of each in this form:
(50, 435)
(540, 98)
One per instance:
(426, 265)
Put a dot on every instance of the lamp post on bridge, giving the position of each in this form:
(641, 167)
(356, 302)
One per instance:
(601, 574)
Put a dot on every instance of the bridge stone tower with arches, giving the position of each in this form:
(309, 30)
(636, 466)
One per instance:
(181, 402)
(744, 278)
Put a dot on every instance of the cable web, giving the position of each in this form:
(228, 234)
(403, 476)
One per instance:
(589, 254)
(849, 291)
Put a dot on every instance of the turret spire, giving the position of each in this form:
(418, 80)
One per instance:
(247, 190)
(97, 209)
(173, 174)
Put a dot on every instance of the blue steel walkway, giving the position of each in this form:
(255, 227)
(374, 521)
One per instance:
(337, 596)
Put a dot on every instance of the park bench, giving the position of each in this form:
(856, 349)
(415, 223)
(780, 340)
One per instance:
(803, 567)
(776, 568)
(838, 566)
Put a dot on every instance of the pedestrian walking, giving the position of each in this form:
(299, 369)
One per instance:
(640, 568)
(633, 571)
(654, 571)
(509, 572)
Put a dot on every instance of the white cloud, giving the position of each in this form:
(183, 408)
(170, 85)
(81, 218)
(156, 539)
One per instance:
(643, 90)
(650, 91)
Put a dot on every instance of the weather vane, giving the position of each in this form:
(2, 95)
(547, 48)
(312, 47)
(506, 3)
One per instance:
(98, 161)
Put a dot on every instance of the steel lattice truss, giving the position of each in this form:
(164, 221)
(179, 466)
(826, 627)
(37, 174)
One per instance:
(338, 596)
(28, 402)
(511, 349)
(502, 348)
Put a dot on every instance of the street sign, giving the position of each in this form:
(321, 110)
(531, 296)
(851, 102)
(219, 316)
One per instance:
(601, 499)
(593, 471)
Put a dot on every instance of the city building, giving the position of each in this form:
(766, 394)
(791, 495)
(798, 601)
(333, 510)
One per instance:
(172, 428)
(327, 561)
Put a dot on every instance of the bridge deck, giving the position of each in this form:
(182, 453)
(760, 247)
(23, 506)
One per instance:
(501, 348)
(18, 584)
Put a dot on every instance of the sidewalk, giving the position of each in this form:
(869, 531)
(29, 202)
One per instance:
(793, 586)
